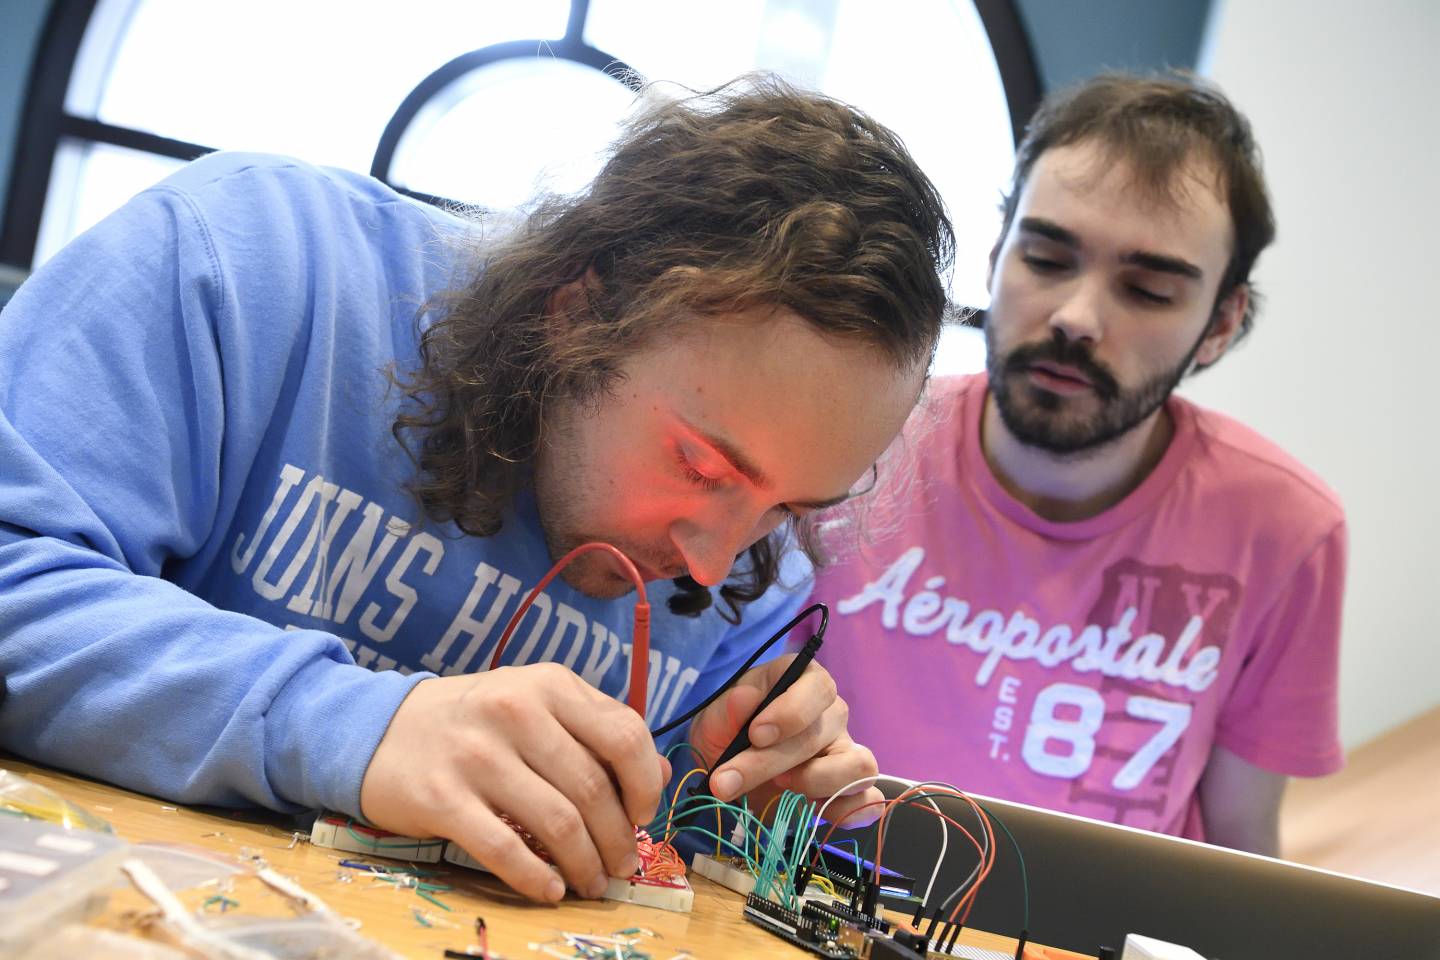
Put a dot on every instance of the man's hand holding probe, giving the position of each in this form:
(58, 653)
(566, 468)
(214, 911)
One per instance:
(578, 769)
(799, 741)
(574, 767)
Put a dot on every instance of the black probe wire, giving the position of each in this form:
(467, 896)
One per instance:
(759, 652)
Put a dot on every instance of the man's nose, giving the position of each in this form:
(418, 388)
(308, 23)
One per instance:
(1079, 315)
(709, 543)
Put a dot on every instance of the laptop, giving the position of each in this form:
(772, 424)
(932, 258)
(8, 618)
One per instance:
(1091, 883)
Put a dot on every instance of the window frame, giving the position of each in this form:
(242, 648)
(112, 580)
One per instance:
(46, 121)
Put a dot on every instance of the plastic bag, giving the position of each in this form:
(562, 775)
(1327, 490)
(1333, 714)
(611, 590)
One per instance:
(29, 799)
(71, 942)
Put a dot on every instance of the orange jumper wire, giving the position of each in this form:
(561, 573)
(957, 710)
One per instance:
(639, 643)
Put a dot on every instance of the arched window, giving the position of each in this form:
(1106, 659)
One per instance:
(488, 102)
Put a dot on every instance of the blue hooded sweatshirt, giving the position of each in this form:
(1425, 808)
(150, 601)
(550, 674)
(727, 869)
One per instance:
(214, 586)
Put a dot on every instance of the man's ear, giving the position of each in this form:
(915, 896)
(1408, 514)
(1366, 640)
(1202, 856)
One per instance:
(990, 267)
(572, 300)
(1224, 325)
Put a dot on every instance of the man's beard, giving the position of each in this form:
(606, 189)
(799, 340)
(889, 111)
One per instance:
(595, 573)
(1040, 418)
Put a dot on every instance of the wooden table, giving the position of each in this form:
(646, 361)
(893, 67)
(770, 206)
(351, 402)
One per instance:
(395, 917)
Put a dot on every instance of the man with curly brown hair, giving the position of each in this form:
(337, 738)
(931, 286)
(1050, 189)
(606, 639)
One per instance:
(214, 586)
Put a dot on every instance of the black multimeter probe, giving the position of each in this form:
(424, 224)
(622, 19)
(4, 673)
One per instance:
(786, 681)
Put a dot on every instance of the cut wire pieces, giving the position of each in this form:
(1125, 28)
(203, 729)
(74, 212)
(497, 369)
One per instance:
(402, 878)
(428, 919)
(219, 902)
(632, 943)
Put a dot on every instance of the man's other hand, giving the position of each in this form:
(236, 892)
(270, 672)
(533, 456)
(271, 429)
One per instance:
(574, 767)
(799, 742)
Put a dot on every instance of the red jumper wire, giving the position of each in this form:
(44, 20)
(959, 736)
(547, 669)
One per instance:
(639, 643)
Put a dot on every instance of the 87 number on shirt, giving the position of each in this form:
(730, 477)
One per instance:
(1076, 734)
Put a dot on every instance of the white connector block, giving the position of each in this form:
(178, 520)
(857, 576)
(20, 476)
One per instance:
(723, 872)
(728, 872)
(454, 853)
(1148, 948)
(340, 833)
(678, 899)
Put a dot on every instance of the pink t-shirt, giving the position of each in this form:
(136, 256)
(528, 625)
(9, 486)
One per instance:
(1092, 666)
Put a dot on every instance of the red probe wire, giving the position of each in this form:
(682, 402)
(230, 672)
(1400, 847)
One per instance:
(640, 641)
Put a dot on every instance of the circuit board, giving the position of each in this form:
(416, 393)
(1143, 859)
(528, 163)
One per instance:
(804, 932)
(831, 929)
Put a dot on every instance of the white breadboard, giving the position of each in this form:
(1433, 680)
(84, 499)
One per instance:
(679, 899)
(966, 952)
(730, 874)
(342, 833)
(1148, 948)
(676, 899)
(724, 872)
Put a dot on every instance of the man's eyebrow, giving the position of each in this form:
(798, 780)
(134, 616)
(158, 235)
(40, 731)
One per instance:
(746, 467)
(1157, 262)
(1050, 230)
(732, 455)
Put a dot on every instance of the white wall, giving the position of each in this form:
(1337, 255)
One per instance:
(1343, 368)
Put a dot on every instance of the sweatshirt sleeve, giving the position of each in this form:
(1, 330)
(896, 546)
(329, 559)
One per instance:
(119, 445)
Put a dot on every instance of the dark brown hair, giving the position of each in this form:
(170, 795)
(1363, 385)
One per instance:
(1156, 125)
(752, 194)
